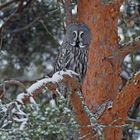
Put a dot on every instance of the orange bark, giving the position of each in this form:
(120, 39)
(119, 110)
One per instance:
(122, 103)
(102, 81)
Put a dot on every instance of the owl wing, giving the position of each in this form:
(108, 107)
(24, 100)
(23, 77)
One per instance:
(59, 65)
(65, 58)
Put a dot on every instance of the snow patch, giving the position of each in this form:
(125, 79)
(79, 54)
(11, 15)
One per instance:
(52, 103)
(138, 58)
(20, 97)
(37, 85)
(58, 76)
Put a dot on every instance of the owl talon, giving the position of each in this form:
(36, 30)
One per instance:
(59, 72)
(65, 69)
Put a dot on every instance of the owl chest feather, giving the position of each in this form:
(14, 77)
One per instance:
(76, 59)
(73, 52)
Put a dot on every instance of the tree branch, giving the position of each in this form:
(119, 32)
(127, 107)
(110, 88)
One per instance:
(51, 83)
(125, 100)
(7, 4)
(18, 12)
(135, 121)
(81, 116)
(129, 47)
(68, 11)
(72, 83)
(66, 77)
(13, 82)
(132, 87)
(27, 26)
(119, 2)
(117, 115)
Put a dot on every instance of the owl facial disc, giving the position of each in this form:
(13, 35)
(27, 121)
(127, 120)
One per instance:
(78, 36)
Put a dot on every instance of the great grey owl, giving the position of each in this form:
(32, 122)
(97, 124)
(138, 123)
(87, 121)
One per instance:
(74, 50)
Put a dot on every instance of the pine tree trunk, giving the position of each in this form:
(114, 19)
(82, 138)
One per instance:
(103, 82)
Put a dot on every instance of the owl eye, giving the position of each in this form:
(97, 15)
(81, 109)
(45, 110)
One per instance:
(75, 35)
(80, 35)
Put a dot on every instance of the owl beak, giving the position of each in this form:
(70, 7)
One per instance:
(77, 42)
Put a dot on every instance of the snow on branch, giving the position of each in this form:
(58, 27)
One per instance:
(13, 111)
(39, 86)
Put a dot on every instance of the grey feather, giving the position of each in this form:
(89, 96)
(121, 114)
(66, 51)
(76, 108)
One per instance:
(73, 54)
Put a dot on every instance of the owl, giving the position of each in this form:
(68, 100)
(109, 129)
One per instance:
(73, 53)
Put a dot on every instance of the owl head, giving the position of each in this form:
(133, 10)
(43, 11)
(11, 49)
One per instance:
(78, 35)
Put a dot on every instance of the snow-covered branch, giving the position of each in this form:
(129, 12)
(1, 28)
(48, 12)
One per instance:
(50, 83)
(14, 111)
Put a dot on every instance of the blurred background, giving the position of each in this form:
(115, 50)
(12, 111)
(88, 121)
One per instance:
(31, 32)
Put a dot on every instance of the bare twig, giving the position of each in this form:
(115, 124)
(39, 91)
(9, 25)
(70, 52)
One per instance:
(14, 15)
(13, 82)
(45, 27)
(7, 4)
(133, 120)
(1, 41)
(68, 12)
(125, 49)
(27, 26)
